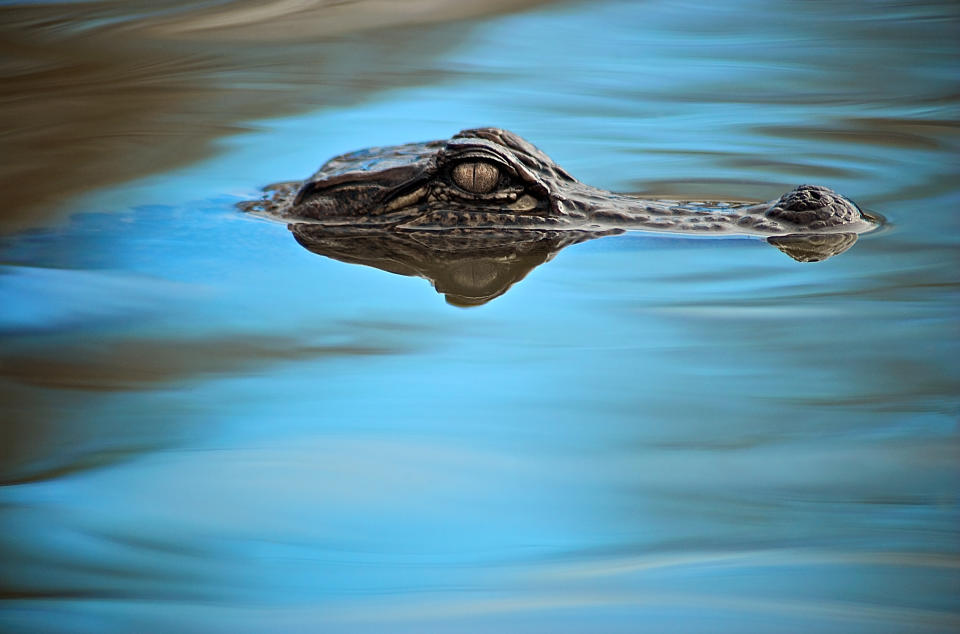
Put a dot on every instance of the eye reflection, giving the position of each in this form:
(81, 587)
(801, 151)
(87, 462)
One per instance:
(477, 177)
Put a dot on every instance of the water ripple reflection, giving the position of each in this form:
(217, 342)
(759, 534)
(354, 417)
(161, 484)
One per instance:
(206, 428)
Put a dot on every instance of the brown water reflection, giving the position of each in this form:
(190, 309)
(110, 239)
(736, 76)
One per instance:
(82, 370)
(130, 364)
(96, 93)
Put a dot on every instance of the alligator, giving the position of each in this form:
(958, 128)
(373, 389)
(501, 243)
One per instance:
(464, 212)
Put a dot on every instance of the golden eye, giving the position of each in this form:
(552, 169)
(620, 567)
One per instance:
(477, 177)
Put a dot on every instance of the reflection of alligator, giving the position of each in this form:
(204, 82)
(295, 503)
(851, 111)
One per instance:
(477, 212)
(469, 269)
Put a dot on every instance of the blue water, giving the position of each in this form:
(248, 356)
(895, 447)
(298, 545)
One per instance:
(207, 428)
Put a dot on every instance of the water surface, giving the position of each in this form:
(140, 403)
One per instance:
(208, 428)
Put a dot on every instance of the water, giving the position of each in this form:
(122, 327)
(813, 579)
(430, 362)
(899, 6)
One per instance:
(209, 428)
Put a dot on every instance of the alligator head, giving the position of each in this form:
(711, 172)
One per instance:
(488, 178)
(475, 213)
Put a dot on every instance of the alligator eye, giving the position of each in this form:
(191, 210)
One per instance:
(477, 177)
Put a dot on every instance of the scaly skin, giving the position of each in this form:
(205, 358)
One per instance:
(412, 187)
(476, 213)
